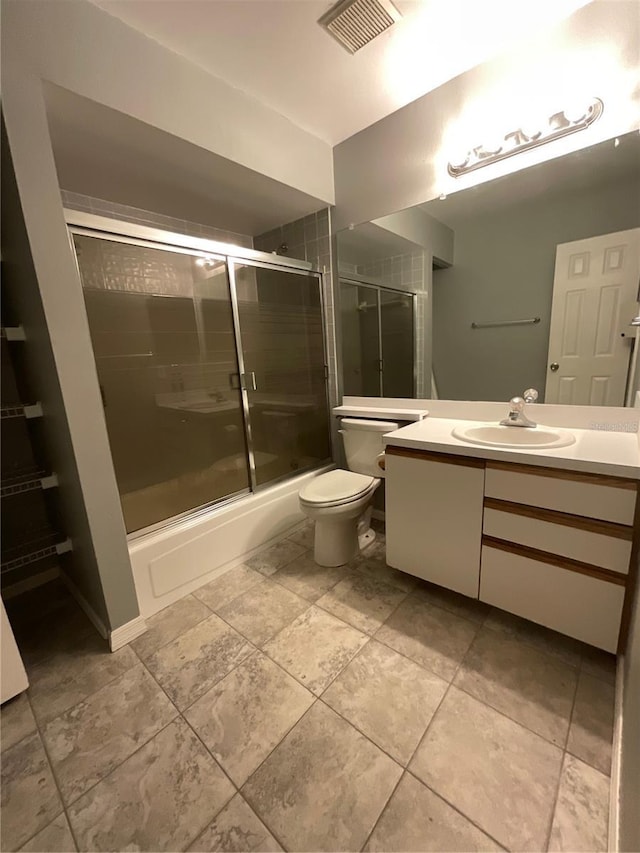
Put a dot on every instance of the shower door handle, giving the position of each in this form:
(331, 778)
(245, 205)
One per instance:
(243, 381)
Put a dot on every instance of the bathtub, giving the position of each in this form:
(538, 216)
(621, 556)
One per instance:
(170, 563)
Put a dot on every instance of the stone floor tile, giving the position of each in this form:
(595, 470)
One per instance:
(307, 579)
(304, 536)
(388, 697)
(160, 798)
(16, 721)
(533, 688)
(54, 838)
(416, 819)
(500, 775)
(263, 611)
(599, 663)
(30, 799)
(581, 818)
(377, 568)
(67, 677)
(228, 586)
(362, 601)
(90, 740)
(168, 624)
(324, 786)
(544, 639)
(431, 636)
(591, 732)
(268, 561)
(247, 714)
(191, 664)
(454, 602)
(315, 648)
(237, 829)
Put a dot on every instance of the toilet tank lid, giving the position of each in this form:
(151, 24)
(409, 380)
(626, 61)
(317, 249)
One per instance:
(371, 426)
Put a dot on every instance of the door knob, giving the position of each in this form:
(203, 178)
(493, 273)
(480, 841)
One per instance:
(554, 366)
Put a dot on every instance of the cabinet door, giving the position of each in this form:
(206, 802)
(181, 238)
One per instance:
(434, 520)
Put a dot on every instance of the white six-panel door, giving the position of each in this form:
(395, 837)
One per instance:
(595, 293)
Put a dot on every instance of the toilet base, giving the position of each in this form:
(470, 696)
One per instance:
(366, 538)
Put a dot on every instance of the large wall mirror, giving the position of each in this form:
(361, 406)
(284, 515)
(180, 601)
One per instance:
(529, 280)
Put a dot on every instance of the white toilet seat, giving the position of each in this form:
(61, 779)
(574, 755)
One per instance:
(337, 488)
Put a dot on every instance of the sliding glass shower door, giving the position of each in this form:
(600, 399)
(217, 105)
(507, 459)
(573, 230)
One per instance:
(378, 340)
(211, 372)
(284, 381)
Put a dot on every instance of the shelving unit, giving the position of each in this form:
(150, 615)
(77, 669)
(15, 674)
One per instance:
(32, 535)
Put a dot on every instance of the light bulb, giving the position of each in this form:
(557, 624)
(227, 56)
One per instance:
(577, 110)
(460, 158)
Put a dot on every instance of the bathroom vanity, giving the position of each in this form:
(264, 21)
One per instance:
(550, 537)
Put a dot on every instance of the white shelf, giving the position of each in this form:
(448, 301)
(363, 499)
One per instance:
(380, 413)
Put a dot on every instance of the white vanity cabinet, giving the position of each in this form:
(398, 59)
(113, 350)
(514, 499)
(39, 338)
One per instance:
(557, 547)
(433, 517)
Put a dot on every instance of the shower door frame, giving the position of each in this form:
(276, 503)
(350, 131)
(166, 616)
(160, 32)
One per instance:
(361, 281)
(121, 231)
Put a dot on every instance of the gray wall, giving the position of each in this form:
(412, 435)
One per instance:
(104, 542)
(20, 279)
(503, 269)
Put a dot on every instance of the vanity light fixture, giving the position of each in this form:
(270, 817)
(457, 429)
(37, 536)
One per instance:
(558, 125)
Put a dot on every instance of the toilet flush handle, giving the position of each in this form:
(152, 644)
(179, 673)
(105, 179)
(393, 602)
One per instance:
(380, 459)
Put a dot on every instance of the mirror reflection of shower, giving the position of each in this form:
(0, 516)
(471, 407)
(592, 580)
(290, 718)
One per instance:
(378, 340)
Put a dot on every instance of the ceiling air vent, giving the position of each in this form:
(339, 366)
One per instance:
(354, 23)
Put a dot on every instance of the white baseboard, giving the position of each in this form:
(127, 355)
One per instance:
(378, 514)
(119, 637)
(616, 756)
(99, 625)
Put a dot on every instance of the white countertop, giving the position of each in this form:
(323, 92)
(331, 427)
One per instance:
(594, 451)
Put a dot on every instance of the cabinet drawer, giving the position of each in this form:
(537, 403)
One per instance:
(578, 605)
(571, 494)
(586, 546)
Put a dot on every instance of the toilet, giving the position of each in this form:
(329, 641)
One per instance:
(339, 502)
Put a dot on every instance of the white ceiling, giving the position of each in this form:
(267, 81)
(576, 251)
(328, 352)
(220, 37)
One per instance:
(274, 50)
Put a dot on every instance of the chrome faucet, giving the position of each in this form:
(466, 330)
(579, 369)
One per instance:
(516, 416)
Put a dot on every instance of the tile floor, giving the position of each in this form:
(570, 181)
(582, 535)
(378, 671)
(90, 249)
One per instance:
(286, 706)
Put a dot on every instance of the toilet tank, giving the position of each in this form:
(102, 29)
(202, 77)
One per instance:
(363, 443)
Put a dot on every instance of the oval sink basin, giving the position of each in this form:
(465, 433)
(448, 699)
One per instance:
(494, 435)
